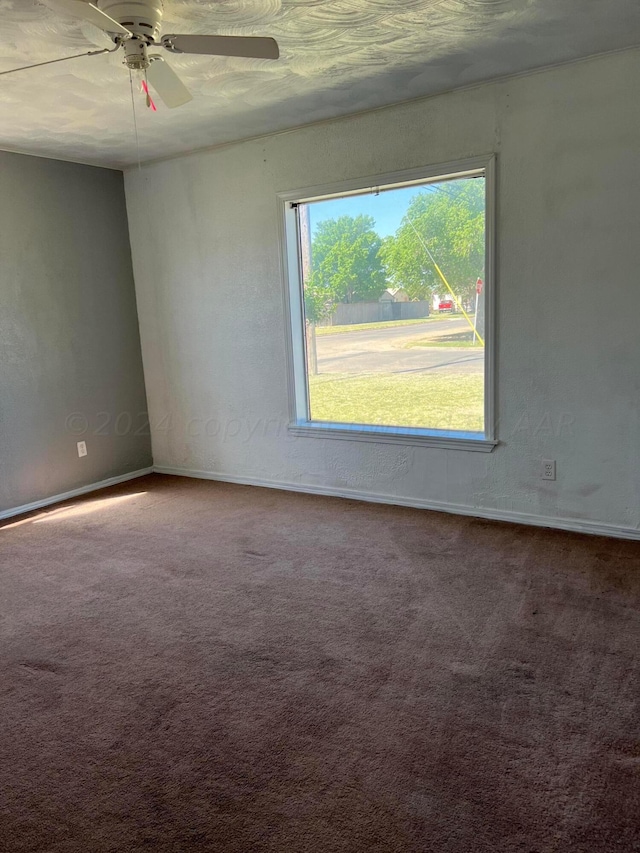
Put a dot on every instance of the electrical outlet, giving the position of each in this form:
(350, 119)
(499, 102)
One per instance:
(548, 469)
(82, 448)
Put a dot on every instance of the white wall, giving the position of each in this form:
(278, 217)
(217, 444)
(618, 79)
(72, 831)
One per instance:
(207, 266)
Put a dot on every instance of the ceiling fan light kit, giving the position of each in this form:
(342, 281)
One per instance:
(135, 26)
(135, 54)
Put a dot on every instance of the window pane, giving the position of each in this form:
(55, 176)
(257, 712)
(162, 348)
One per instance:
(394, 306)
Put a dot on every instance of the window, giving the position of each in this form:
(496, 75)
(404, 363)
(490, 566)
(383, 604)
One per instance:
(390, 300)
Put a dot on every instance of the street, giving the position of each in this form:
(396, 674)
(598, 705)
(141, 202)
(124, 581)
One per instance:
(386, 351)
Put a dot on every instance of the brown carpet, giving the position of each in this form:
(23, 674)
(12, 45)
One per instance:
(192, 666)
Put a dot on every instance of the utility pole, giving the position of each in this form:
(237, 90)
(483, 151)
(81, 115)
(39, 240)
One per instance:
(305, 257)
(479, 288)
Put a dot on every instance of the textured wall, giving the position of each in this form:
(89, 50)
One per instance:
(207, 262)
(69, 340)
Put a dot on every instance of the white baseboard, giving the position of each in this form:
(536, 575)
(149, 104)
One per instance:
(572, 524)
(74, 493)
(575, 525)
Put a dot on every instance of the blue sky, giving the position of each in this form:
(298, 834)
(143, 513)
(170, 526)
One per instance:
(387, 209)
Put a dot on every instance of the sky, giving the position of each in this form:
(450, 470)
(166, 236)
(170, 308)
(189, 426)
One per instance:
(387, 209)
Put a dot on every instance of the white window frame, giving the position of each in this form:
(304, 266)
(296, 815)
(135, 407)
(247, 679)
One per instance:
(300, 423)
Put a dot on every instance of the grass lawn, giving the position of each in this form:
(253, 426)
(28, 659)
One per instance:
(387, 324)
(459, 339)
(385, 399)
(434, 342)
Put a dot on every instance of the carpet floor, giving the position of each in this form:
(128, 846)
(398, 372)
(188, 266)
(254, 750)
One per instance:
(195, 666)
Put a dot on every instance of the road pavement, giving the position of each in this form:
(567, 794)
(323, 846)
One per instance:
(386, 351)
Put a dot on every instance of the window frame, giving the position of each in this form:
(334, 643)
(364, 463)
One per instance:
(300, 423)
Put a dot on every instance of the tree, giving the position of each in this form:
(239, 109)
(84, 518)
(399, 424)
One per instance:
(319, 300)
(449, 220)
(346, 265)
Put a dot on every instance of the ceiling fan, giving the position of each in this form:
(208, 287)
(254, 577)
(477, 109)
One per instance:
(134, 26)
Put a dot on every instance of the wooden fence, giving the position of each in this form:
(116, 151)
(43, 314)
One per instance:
(376, 312)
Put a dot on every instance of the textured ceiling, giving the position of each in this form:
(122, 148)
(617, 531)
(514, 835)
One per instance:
(338, 57)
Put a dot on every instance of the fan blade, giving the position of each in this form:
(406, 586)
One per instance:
(87, 12)
(248, 46)
(167, 83)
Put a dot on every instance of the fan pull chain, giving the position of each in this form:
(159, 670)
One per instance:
(145, 89)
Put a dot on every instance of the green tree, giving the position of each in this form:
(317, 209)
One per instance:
(346, 265)
(449, 220)
(319, 300)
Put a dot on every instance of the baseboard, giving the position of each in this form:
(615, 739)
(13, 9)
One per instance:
(74, 493)
(574, 525)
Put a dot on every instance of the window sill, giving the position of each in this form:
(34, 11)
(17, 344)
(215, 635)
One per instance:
(446, 439)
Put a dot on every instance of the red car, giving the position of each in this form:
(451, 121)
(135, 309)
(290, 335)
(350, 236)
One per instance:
(446, 305)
